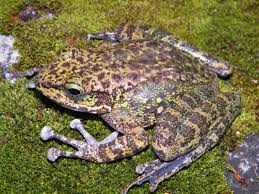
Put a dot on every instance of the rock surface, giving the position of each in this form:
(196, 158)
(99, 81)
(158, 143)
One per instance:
(244, 172)
(8, 56)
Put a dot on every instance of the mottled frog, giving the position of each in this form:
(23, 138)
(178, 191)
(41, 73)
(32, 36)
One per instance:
(138, 77)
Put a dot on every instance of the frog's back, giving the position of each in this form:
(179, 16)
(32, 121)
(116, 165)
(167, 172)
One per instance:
(129, 64)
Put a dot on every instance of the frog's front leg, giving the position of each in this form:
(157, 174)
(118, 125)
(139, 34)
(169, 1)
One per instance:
(53, 153)
(112, 148)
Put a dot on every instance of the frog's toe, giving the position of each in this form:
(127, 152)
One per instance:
(74, 123)
(89, 38)
(140, 169)
(153, 186)
(105, 36)
(53, 154)
(46, 133)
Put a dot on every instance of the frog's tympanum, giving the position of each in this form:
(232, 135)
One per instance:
(138, 77)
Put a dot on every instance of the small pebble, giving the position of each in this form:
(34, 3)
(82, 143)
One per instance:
(103, 171)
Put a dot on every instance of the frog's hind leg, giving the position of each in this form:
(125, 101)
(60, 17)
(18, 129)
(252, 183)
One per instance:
(166, 129)
(189, 121)
(147, 167)
(125, 32)
(182, 140)
(164, 170)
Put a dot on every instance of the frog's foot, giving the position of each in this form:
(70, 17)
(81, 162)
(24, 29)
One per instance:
(32, 71)
(104, 36)
(155, 174)
(77, 124)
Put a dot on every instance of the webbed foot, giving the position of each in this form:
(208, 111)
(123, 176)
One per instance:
(53, 154)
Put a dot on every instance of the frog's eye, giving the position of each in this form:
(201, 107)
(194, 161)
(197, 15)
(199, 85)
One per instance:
(74, 90)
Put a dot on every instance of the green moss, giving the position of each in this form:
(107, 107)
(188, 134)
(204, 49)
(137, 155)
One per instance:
(224, 28)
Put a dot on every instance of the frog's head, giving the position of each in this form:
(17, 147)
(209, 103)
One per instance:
(69, 81)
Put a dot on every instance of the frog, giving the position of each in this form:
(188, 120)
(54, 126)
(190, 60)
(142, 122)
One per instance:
(135, 78)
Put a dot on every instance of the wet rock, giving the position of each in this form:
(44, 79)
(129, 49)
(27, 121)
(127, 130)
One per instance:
(244, 167)
(8, 56)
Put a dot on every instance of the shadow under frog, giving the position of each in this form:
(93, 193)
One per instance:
(138, 77)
